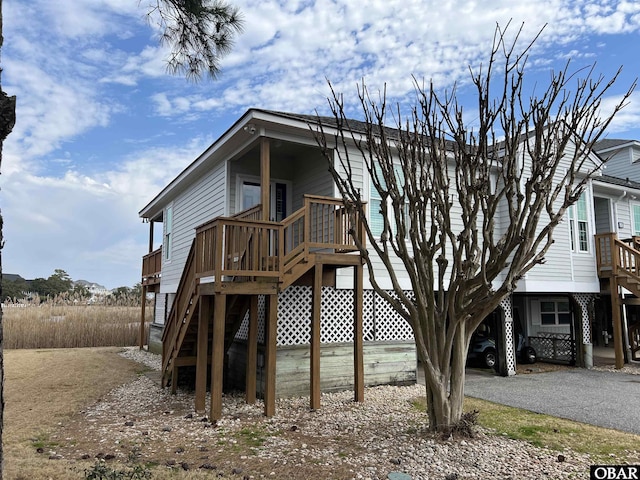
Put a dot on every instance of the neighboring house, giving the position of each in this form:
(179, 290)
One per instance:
(622, 158)
(617, 210)
(95, 289)
(256, 254)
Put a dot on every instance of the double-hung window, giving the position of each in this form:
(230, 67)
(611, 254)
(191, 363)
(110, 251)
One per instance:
(635, 211)
(376, 218)
(555, 312)
(579, 225)
(168, 232)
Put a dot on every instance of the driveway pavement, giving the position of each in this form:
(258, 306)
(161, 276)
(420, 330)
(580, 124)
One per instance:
(605, 399)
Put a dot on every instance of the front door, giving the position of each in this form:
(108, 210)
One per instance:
(603, 216)
(279, 198)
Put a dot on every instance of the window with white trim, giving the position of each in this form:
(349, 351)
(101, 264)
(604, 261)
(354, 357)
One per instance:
(555, 312)
(635, 213)
(168, 232)
(579, 225)
(376, 219)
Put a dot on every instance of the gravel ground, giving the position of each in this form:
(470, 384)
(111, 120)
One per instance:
(385, 437)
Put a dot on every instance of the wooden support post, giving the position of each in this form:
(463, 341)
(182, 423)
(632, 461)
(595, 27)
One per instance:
(617, 322)
(143, 316)
(151, 236)
(271, 331)
(265, 178)
(315, 337)
(204, 319)
(358, 346)
(217, 355)
(174, 377)
(252, 352)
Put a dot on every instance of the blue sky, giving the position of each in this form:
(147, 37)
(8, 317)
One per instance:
(101, 127)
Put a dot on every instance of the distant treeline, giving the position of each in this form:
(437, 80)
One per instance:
(59, 283)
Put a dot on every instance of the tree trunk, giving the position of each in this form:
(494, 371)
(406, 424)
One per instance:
(7, 120)
(445, 396)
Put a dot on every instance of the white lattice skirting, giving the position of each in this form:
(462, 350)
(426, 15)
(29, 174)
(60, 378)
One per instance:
(380, 321)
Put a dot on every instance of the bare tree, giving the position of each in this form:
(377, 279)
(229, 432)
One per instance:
(467, 210)
(199, 32)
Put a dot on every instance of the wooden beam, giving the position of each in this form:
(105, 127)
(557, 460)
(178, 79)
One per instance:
(143, 315)
(271, 332)
(616, 319)
(202, 354)
(316, 300)
(358, 333)
(252, 352)
(265, 178)
(217, 356)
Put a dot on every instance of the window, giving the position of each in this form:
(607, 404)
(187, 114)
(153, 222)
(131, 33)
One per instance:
(376, 219)
(579, 225)
(555, 312)
(635, 212)
(168, 230)
(250, 194)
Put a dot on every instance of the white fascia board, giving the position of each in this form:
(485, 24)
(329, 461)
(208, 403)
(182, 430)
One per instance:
(601, 187)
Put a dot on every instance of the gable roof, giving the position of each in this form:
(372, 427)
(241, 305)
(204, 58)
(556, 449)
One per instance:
(263, 118)
(609, 144)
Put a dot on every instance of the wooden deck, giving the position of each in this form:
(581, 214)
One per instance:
(234, 259)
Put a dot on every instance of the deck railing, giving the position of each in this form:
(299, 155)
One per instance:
(253, 213)
(151, 267)
(242, 248)
(616, 257)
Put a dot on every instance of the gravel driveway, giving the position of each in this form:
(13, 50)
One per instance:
(603, 398)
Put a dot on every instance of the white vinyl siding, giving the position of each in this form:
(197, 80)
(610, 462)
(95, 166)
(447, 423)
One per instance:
(203, 201)
(566, 269)
(310, 176)
(621, 164)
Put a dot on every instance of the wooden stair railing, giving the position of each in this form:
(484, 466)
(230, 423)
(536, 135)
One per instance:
(182, 311)
(618, 259)
(244, 248)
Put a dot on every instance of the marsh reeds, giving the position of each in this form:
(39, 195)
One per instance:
(68, 321)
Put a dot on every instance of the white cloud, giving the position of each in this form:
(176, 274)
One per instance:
(93, 69)
(85, 224)
(50, 112)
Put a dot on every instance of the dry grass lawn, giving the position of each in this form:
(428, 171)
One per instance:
(46, 391)
(43, 389)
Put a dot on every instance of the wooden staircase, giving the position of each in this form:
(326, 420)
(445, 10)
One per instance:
(619, 262)
(233, 259)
